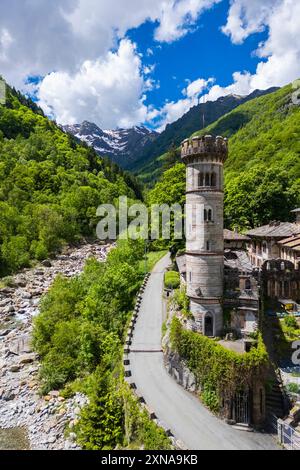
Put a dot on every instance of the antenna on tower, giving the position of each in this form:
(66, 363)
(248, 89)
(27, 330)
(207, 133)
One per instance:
(203, 116)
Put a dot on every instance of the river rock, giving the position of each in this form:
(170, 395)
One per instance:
(47, 263)
(27, 359)
(4, 332)
(15, 368)
(21, 345)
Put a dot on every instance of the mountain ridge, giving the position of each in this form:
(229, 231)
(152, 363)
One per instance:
(189, 123)
(123, 146)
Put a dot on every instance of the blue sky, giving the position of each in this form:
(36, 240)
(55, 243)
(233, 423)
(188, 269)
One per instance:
(120, 64)
(205, 52)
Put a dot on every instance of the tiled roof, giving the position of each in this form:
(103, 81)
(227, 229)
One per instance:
(291, 242)
(232, 235)
(276, 229)
(237, 259)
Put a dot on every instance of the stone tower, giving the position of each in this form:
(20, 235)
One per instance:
(204, 158)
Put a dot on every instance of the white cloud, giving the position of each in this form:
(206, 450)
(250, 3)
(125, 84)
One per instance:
(178, 17)
(69, 42)
(173, 110)
(5, 42)
(241, 86)
(280, 53)
(246, 17)
(196, 87)
(39, 36)
(109, 92)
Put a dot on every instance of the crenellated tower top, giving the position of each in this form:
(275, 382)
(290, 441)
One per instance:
(207, 145)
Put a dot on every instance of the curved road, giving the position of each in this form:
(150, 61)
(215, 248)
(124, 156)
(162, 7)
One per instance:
(180, 411)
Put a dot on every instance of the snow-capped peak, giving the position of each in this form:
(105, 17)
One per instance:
(122, 145)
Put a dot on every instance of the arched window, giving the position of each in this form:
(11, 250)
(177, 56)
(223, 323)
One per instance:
(201, 179)
(247, 284)
(213, 179)
(208, 214)
(208, 245)
(207, 179)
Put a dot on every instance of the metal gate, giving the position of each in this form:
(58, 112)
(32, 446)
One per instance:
(241, 407)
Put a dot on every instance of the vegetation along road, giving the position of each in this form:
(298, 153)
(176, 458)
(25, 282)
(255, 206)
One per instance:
(182, 412)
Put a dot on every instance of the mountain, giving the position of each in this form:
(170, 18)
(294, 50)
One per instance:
(50, 185)
(148, 166)
(262, 172)
(123, 146)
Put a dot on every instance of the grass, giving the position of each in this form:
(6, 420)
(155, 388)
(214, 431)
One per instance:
(7, 282)
(152, 258)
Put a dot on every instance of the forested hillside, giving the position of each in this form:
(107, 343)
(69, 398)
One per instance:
(149, 164)
(262, 173)
(50, 186)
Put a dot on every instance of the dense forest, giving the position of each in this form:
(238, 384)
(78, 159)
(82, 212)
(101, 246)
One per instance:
(50, 185)
(262, 173)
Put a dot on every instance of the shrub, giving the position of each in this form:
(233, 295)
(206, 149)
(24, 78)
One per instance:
(140, 430)
(210, 398)
(15, 253)
(101, 423)
(172, 280)
(291, 322)
(218, 371)
(182, 300)
(293, 387)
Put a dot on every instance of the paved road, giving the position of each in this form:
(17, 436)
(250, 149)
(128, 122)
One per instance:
(190, 422)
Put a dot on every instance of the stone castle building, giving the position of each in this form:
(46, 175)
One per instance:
(204, 158)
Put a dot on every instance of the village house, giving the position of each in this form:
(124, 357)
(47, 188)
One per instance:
(269, 242)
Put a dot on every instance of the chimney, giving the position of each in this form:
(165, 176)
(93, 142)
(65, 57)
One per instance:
(297, 212)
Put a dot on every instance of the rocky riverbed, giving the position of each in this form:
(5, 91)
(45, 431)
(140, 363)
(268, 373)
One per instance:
(42, 419)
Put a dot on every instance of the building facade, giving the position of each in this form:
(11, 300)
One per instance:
(275, 250)
(265, 241)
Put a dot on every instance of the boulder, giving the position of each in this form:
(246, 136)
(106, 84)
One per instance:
(27, 359)
(21, 345)
(15, 368)
(47, 263)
